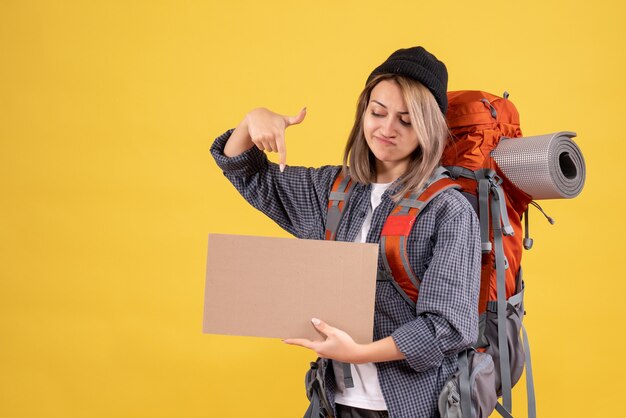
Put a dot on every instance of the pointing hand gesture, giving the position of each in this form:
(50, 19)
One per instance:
(267, 130)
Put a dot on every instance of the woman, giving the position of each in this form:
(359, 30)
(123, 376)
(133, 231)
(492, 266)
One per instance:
(394, 147)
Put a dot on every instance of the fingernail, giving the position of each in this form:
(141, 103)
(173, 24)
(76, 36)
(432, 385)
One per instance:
(315, 321)
(282, 168)
(304, 109)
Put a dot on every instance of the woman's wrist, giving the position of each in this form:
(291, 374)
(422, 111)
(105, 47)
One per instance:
(378, 351)
(239, 141)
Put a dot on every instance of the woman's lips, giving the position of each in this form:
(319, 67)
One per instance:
(384, 140)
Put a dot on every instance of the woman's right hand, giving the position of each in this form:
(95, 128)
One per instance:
(264, 129)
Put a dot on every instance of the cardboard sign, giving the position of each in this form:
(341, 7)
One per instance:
(272, 287)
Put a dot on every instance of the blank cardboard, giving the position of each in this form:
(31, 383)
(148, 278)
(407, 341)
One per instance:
(272, 287)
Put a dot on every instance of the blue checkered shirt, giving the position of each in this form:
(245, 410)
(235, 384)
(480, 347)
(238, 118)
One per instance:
(443, 250)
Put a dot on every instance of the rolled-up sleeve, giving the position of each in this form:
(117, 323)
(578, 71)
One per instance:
(295, 199)
(243, 165)
(447, 307)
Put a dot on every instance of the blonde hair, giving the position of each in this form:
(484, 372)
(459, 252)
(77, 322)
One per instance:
(427, 121)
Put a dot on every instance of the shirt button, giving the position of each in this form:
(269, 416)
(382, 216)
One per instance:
(362, 214)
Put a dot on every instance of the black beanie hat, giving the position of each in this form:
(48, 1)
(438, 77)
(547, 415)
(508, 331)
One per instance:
(420, 65)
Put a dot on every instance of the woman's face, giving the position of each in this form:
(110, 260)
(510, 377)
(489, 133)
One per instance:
(387, 128)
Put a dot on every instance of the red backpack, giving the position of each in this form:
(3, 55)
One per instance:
(477, 122)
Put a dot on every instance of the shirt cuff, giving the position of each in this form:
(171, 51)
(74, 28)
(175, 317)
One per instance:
(243, 165)
(414, 340)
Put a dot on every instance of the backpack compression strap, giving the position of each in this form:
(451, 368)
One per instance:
(396, 230)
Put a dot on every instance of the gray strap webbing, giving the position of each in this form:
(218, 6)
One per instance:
(503, 412)
(457, 171)
(385, 276)
(347, 375)
(333, 215)
(494, 113)
(439, 173)
(464, 385)
(313, 411)
(481, 341)
(344, 183)
(487, 181)
(341, 194)
(405, 264)
(507, 229)
(530, 386)
(337, 196)
(383, 243)
(517, 298)
(407, 203)
(387, 271)
(411, 203)
(505, 370)
(483, 214)
(403, 294)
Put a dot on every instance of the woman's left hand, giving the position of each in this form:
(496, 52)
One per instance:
(337, 344)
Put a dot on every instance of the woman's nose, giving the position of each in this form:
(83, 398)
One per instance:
(388, 127)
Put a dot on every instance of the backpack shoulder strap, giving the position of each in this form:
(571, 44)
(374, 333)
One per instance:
(396, 230)
(339, 195)
(337, 201)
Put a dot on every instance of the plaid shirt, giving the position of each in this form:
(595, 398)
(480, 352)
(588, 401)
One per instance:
(443, 250)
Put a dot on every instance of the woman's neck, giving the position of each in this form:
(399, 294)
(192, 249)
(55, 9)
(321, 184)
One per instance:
(389, 172)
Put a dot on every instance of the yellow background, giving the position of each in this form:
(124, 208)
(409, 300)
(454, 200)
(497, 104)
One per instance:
(107, 189)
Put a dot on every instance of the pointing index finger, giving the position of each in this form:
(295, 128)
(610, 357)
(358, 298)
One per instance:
(282, 151)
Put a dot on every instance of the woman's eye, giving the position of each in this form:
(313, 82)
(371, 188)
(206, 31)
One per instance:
(377, 115)
(405, 123)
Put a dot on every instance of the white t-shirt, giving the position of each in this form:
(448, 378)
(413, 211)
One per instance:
(366, 392)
